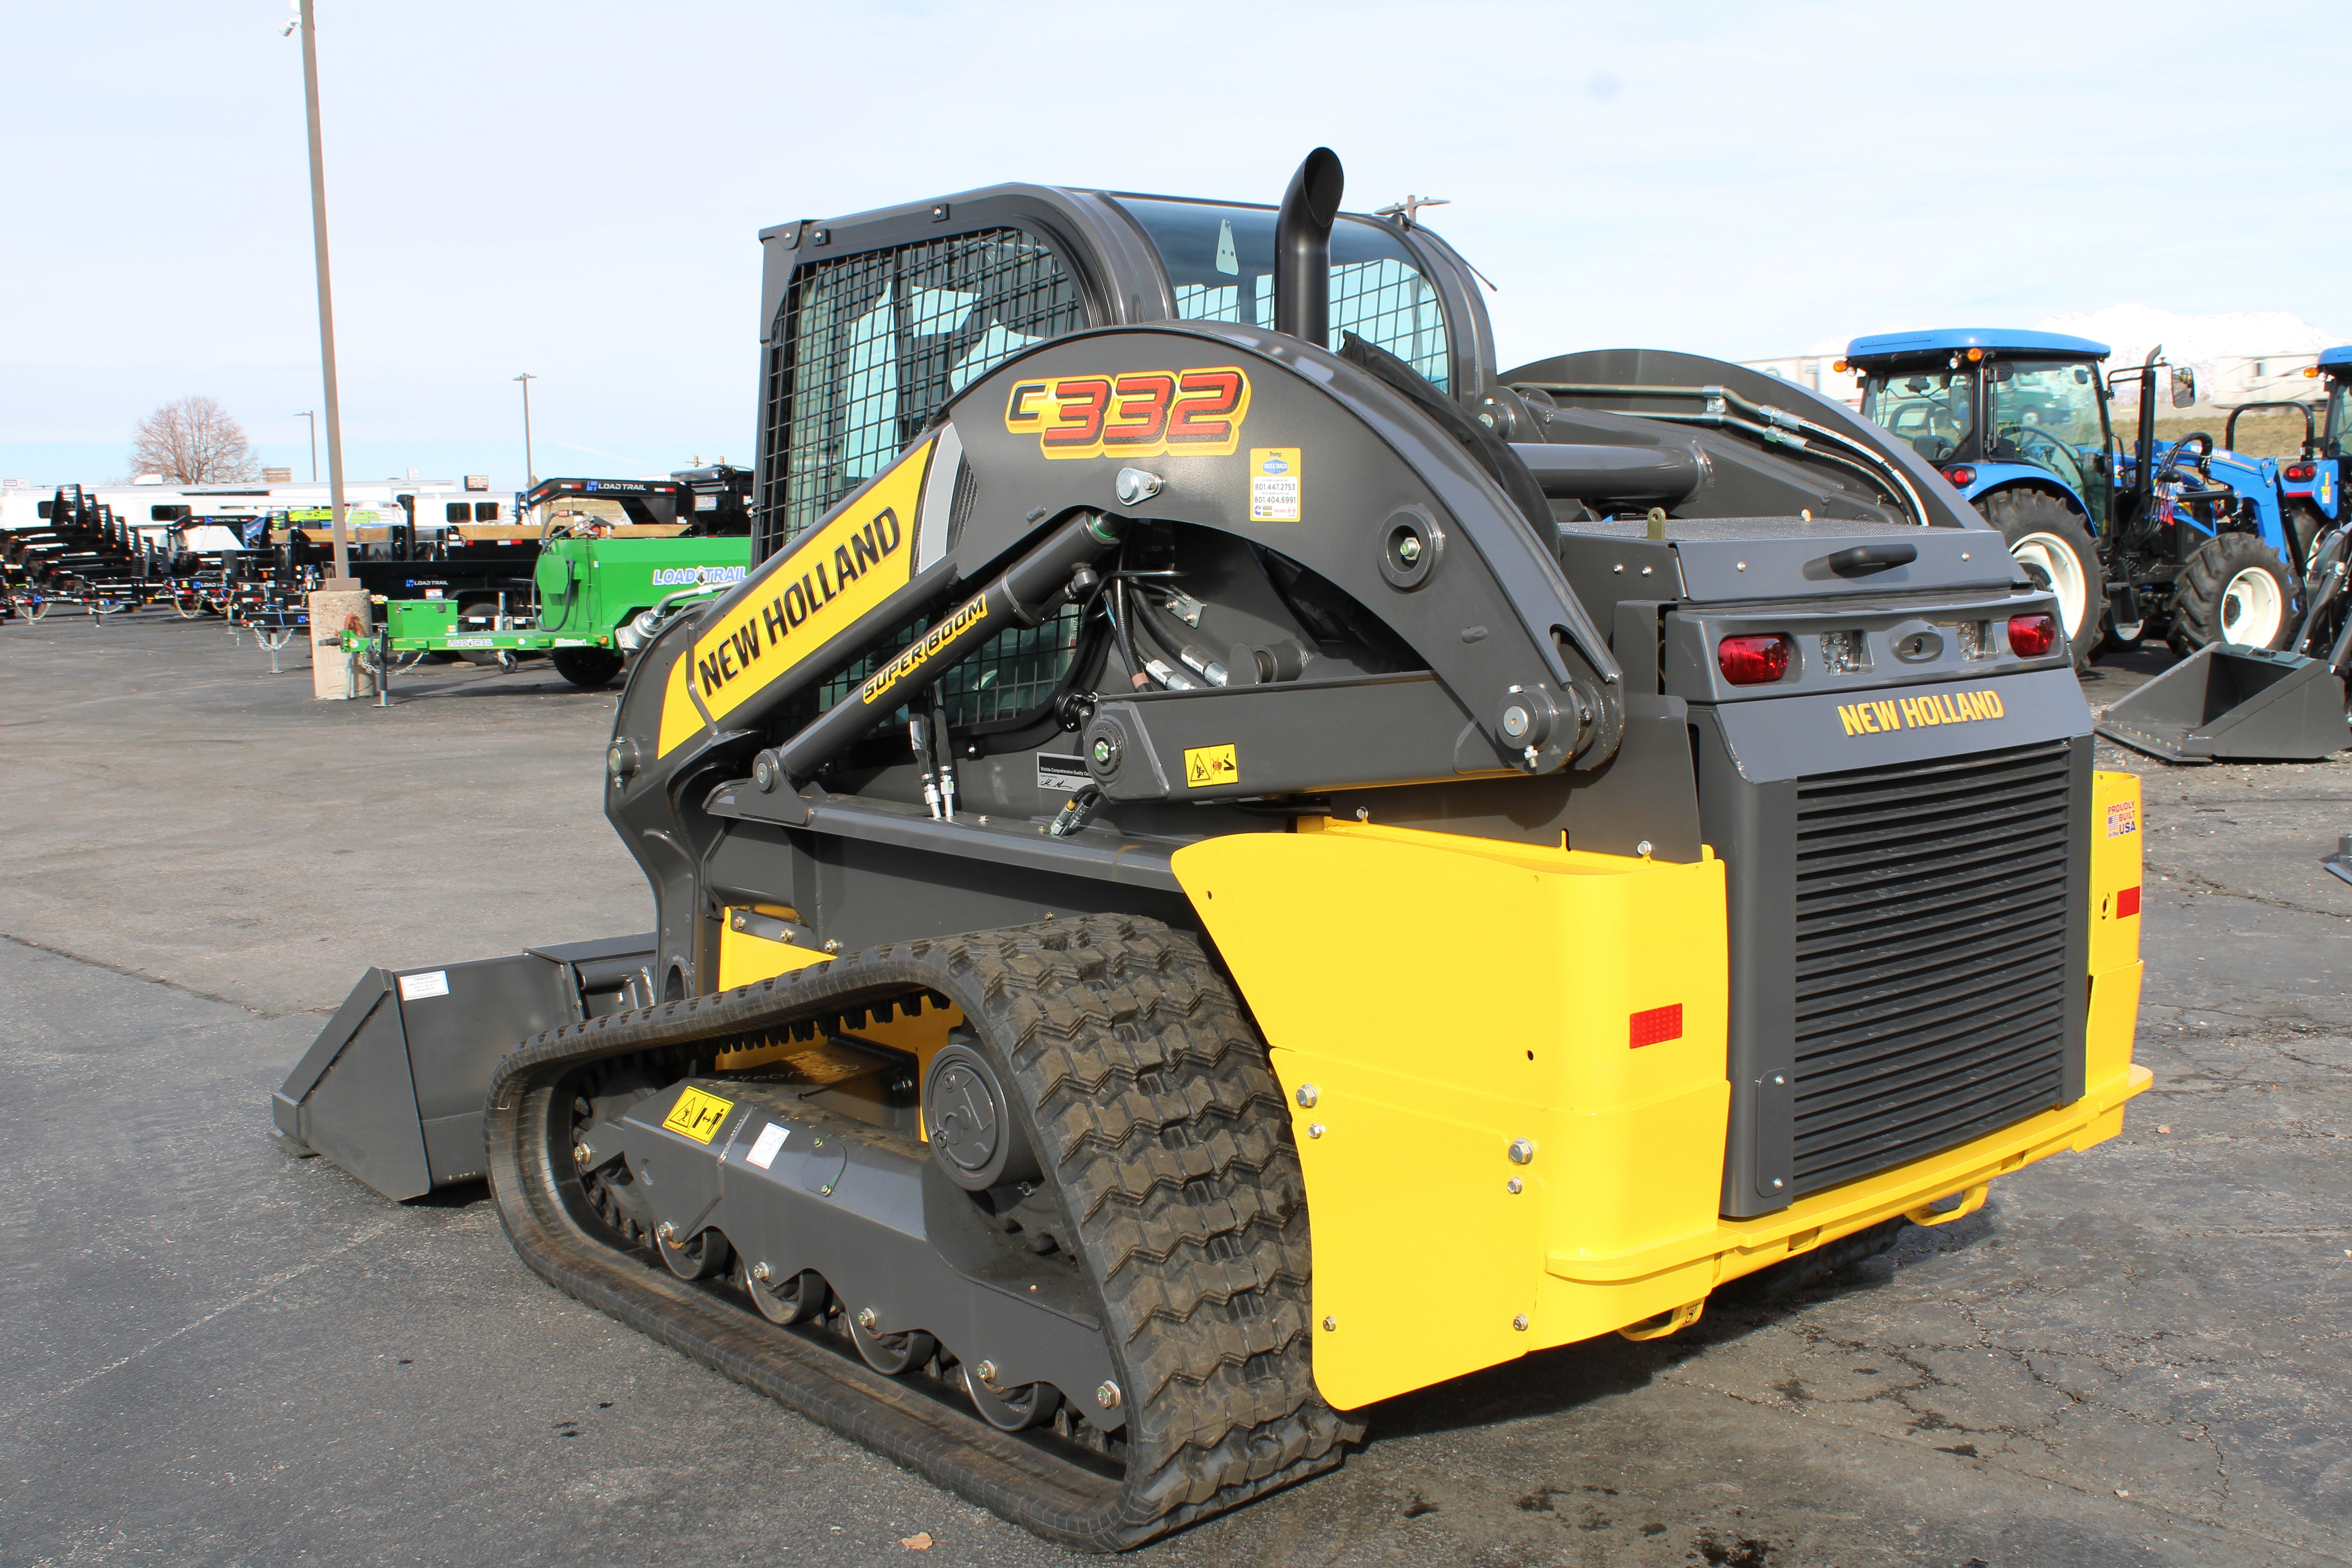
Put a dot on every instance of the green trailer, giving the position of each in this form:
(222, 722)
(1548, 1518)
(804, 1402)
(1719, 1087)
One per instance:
(585, 594)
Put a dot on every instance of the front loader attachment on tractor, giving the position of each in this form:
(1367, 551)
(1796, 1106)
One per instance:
(2227, 703)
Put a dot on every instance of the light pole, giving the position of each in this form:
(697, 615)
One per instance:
(309, 25)
(312, 415)
(530, 475)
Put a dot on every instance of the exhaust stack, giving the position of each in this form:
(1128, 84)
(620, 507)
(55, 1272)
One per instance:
(1302, 248)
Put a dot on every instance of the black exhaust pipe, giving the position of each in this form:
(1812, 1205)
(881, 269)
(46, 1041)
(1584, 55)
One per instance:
(1302, 248)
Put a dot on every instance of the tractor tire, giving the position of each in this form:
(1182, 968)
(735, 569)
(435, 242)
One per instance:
(590, 669)
(2304, 529)
(2233, 589)
(2048, 539)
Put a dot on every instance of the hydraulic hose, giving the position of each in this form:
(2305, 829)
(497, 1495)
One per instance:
(1773, 426)
(1033, 588)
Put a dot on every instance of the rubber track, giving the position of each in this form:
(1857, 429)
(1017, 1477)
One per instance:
(1151, 1099)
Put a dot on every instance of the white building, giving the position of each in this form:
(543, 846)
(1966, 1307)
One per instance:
(1814, 373)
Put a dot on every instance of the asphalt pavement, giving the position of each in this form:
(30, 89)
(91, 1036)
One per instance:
(217, 1353)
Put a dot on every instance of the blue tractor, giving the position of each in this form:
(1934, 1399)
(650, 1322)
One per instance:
(2196, 542)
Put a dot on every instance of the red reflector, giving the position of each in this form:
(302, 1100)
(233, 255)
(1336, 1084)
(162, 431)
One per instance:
(1655, 1025)
(2126, 903)
(1961, 477)
(1755, 659)
(2031, 637)
(2300, 472)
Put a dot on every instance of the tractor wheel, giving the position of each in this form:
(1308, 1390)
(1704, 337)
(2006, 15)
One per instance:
(2233, 589)
(2304, 529)
(2049, 540)
(587, 668)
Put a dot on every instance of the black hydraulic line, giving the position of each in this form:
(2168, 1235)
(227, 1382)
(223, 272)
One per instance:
(1302, 248)
(1154, 649)
(1030, 590)
(918, 737)
(1774, 426)
(944, 751)
(1776, 439)
(1170, 633)
(1115, 606)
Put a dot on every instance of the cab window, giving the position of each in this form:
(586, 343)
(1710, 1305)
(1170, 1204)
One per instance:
(1931, 410)
(1220, 260)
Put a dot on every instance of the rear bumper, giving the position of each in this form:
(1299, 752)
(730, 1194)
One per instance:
(1584, 1294)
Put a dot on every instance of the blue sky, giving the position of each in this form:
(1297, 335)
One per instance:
(575, 189)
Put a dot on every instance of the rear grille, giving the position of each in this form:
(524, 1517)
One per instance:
(1931, 979)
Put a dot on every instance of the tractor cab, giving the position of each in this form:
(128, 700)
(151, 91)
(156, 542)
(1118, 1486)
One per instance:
(1995, 409)
(2018, 422)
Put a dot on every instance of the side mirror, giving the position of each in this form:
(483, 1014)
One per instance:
(2184, 386)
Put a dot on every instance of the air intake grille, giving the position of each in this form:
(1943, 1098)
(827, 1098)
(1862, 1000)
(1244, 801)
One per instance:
(1932, 909)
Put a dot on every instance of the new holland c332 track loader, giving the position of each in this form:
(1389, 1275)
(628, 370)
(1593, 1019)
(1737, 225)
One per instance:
(1206, 879)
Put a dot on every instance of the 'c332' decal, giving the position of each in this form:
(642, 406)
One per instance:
(1133, 414)
(1887, 715)
(796, 601)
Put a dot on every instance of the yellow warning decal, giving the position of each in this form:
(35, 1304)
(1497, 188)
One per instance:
(797, 600)
(1206, 766)
(697, 1115)
(1274, 484)
(1880, 718)
(1133, 414)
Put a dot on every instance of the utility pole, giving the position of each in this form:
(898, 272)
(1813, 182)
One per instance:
(530, 475)
(326, 297)
(312, 415)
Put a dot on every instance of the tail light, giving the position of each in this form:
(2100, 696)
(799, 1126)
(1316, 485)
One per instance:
(2301, 473)
(2031, 637)
(1961, 477)
(1756, 659)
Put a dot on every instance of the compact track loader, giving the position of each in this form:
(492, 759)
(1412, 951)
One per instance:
(1228, 861)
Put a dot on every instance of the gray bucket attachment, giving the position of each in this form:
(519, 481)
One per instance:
(2227, 703)
(393, 1088)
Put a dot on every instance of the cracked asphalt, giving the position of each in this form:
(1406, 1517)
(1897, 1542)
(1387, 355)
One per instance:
(221, 1354)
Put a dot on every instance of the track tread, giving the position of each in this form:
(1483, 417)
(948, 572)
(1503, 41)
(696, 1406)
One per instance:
(1151, 1098)
(1171, 1150)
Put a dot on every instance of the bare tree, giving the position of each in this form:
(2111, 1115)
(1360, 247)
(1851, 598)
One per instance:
(192, 441)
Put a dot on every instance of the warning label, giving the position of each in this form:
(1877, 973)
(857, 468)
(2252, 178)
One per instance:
(1206, 766)
(1273, 484)
(698, 1115)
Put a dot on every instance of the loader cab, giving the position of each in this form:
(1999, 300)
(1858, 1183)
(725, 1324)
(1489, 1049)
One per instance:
(875, 321)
